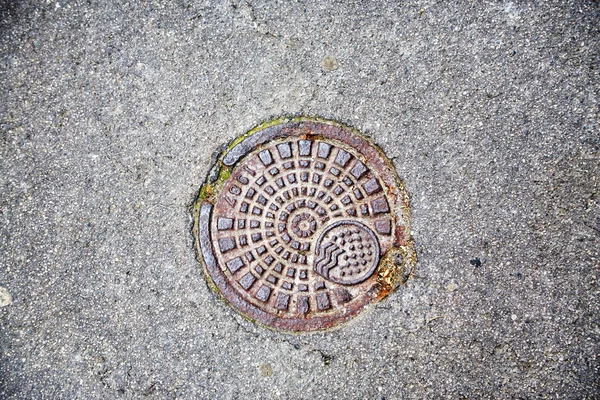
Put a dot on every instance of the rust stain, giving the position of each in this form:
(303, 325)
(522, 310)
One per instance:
(308, 225)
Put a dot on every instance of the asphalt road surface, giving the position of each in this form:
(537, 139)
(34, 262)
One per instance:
(111, 114)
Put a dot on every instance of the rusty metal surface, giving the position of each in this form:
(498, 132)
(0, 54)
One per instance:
(309, 226)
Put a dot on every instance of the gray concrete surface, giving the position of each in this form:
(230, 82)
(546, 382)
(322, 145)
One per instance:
(110, 113)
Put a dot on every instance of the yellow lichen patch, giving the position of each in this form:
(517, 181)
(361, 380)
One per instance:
(206, 191)
(396, 266)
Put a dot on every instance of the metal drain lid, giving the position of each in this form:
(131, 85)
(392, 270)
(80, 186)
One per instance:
(306, 224)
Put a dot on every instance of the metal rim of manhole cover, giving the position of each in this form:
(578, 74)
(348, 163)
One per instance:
(302, 224)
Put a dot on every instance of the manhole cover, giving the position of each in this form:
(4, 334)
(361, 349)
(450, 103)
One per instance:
(304, 223)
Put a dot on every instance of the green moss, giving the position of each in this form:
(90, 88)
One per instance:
(224, 174)
(208, 190)
(266, 125)
(205, 192)
(278, 121)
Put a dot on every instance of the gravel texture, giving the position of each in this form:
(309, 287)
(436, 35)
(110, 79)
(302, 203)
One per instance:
(110, 116)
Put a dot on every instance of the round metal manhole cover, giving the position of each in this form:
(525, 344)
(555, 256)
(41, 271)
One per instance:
(303, 224)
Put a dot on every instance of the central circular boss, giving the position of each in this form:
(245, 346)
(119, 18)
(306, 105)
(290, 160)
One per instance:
(304, 225)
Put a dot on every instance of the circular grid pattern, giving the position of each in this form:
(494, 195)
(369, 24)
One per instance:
(258, 236)
(294, 236)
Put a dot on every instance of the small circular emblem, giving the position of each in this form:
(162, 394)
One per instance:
(304, 225)
(347, 253)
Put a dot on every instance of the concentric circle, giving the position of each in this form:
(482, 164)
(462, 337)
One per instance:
(297, 231)
(304, 225)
